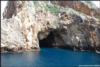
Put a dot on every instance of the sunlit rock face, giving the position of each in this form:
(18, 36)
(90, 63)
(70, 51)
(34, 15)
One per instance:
(19, 21)
(11, 36)
(31, 25)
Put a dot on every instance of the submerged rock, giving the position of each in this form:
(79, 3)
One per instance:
(29, 25)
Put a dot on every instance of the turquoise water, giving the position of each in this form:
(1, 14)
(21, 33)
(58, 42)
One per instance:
(50, 57)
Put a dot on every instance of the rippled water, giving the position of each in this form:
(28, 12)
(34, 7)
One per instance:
(50, 57)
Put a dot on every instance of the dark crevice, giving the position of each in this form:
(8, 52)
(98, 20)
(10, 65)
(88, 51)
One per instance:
(47, 42)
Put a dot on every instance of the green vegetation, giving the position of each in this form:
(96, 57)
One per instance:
(52, 9)
(55, 10)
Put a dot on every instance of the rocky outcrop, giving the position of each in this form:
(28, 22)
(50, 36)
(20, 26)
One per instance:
(32, 25)
(81, 6)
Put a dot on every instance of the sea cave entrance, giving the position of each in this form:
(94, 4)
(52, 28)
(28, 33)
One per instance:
(48, 41)
(53, 39)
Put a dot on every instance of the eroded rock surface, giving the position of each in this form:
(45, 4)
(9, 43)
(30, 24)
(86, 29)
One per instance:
(27, 22)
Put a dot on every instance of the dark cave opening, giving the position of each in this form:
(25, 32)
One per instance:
(47, 42)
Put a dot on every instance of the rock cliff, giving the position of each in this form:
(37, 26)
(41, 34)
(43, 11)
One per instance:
(28, 25)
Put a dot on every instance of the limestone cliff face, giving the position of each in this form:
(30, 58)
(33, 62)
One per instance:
(81, 6)
(26, 23)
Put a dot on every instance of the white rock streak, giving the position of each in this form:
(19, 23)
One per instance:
(3, 5)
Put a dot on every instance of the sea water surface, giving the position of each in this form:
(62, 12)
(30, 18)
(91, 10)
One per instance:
(50, 57)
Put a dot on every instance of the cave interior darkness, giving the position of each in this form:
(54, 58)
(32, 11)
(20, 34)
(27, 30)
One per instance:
(51, 42)
(47, 42)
